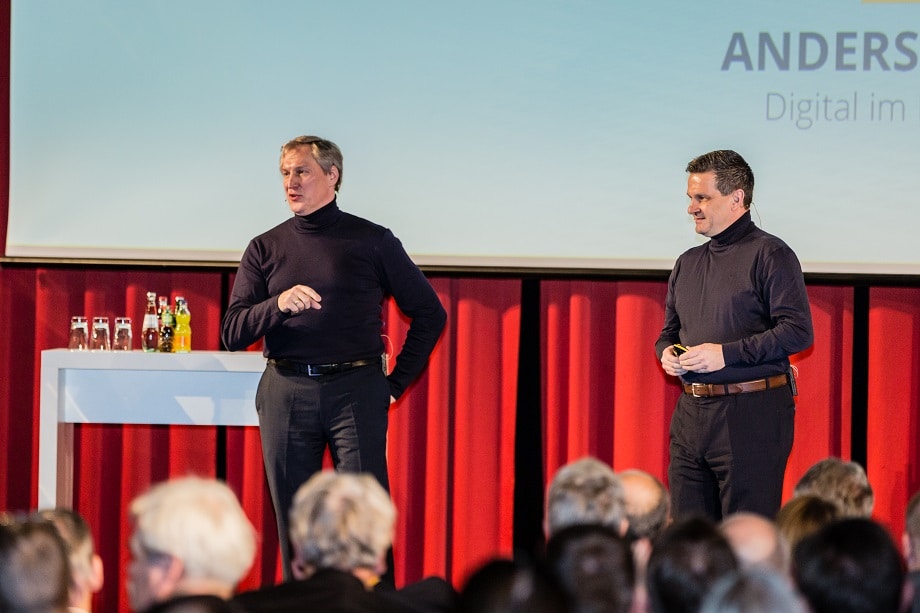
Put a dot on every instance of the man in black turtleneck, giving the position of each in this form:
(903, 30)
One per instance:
(739, 307)
(313, 287)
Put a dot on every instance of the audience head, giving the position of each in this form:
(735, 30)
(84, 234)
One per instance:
(594, 566)
(687, 559)
(506, 586)
(585, 491)
(843, 483)
(756, 541)
(849, 566)
(190, 537)
(34, 575)
(343, 521)
(753, 590)
(86, 574)
(804, 515)
(648, 506)
(911, 538)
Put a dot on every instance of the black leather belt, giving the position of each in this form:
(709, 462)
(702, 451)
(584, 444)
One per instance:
(316, 370)
(727, 389)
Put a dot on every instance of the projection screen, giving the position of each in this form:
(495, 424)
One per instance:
(521, 133)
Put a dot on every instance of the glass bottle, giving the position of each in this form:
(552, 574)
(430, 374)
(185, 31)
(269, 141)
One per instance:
(166, 326)
(151, 334)
(182, 341)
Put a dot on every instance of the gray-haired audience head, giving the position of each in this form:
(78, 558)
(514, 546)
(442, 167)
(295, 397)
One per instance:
(843, 483)
(86, 573)
(648, 506)
(756, 541)
(585, 491)
(343, 521)
(687, 559)
(191, 536)
(753, 590)
(850, 566)
(34, 574)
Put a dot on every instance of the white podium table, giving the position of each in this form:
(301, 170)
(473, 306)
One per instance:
(204, 388)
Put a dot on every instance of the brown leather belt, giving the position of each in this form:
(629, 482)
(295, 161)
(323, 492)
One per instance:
(316, 370)
(703, 390)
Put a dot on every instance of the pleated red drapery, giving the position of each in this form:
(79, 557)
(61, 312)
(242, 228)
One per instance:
(893, 432)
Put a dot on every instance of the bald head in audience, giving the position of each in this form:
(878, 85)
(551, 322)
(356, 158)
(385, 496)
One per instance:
(756, 541)
(648, 506)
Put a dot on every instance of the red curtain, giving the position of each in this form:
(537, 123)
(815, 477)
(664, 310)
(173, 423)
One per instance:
(451, 445)
(893, 432)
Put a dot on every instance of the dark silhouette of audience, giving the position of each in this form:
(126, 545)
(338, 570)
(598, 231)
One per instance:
(687, 559)
(34, 573)
(507, 586)
(850, 566)
(594, 565)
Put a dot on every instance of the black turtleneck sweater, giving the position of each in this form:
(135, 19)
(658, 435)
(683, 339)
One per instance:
(352, 263)
(743, 289)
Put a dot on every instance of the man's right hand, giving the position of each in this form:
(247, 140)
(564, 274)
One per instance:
(671, 363)
(298, 299)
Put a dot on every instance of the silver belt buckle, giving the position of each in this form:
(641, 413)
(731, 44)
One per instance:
(703, 390)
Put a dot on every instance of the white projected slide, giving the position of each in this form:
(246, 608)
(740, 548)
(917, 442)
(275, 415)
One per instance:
(522, 133)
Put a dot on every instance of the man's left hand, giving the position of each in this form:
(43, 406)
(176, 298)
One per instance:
(703, 358)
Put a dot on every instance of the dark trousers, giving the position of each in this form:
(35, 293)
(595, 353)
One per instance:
(729, 453)
(300, 416)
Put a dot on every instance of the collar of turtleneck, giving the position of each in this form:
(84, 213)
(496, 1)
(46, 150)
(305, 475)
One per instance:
(733, 233)
(319, 219)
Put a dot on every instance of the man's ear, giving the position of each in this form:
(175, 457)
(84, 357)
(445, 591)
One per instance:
(300, 569)
(738, 197)
(333, 175)
(97, 576)
(168, 577)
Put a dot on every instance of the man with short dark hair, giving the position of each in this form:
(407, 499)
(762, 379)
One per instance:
(594, 565)
(34, 573)
(736, 309)
(687, 559)
(850, 566)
